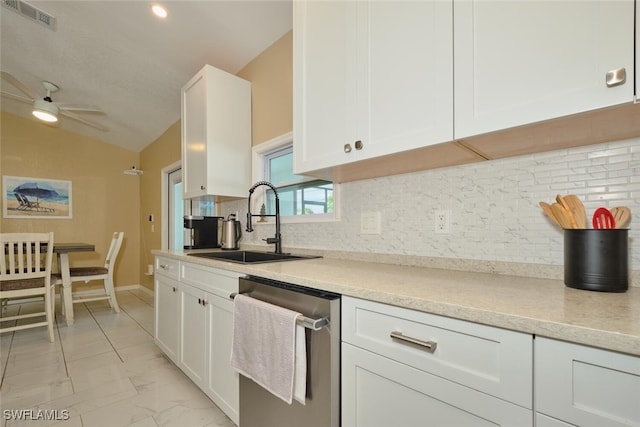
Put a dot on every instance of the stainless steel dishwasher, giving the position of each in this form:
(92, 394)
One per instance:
(258, 407)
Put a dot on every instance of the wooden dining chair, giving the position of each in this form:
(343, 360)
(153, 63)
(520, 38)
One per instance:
(104, 273)
(25, 272)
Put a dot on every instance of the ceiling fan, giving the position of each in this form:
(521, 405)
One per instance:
(44, 108)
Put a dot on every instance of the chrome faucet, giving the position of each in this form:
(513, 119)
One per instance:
(277, 240)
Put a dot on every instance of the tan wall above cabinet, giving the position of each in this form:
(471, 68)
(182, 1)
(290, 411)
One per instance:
(515, 89)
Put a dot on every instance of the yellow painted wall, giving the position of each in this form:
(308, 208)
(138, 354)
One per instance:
(104, 200)
(163, 152)
(271, 77)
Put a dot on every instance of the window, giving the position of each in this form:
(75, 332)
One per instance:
(300, 196)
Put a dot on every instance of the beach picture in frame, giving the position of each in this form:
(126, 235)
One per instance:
(27, 197)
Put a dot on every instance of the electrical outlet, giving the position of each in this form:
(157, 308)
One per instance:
(442, 221)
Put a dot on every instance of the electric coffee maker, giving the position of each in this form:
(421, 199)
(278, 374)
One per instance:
(202, 232)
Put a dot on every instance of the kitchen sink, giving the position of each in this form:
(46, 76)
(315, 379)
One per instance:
(251, 257)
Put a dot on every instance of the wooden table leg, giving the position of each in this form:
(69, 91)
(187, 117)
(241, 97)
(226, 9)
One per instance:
(66, 288)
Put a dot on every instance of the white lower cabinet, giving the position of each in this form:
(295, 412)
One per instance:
(222, 385)
(378, 391)
(193, 334)
(585, 386)
(194, 321)
(473, 375)
(167, 315)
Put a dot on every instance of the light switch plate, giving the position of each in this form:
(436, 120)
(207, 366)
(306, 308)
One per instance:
(370, 222)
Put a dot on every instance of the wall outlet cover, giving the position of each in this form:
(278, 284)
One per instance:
(442, 221)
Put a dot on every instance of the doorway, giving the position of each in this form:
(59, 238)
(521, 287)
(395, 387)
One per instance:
(175, 209)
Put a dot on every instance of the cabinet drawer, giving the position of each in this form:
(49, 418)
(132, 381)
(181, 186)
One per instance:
(492, 360)
(220, 282)
(586, 386)
(168, 267)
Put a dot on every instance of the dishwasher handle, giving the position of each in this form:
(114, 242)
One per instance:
(307, 322)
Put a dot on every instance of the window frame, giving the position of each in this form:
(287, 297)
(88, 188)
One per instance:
(260, 153)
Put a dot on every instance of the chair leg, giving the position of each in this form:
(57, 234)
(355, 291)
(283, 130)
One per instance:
(49, 311)
(109, 290)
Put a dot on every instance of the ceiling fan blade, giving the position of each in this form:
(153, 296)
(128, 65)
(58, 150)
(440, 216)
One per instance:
(85, 108)
(18, 84)
(82, 120)
(16, 97)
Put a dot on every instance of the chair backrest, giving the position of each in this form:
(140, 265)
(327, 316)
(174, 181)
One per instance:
(114, 248)
(22, 256)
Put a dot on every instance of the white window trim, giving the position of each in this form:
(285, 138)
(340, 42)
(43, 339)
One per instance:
(259, 152)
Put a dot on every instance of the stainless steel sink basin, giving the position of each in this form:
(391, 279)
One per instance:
(250, 257)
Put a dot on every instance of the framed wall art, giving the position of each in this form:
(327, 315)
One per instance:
(27, 197)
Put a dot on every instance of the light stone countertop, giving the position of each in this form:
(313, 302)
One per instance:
(544, 307)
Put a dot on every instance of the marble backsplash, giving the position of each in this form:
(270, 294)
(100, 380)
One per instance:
(496, 223)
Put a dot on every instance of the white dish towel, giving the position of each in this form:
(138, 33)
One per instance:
(269, 347)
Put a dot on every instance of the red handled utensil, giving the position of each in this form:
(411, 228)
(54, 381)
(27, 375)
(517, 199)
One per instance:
(603, 218)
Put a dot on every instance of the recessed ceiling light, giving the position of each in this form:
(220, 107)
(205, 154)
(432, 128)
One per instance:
(159, 11)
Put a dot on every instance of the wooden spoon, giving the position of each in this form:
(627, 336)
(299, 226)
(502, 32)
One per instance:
(567, 211)
(622, 215)
(546, 207)
(577, 209)
(562, 215)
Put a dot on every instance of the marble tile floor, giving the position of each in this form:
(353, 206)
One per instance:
(104, 370)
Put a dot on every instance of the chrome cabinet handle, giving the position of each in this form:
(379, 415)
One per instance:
(359, 145)
(616, 77)
(202, 187)
(174, 289)
(347, 148)
(429, 346)
(165, 266)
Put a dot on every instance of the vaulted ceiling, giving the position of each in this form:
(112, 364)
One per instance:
(120, 57)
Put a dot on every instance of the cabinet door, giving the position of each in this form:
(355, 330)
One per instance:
(525, 61)
(167, 313)
(324, 46)
(375, 72)
(194, 136)
(193, 345)
(586, 386)
(405, 75)
(223, 384)
(377, 391)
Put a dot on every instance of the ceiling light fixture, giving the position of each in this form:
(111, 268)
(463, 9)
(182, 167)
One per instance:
(45, 110)
(159, 11)
(133, 171)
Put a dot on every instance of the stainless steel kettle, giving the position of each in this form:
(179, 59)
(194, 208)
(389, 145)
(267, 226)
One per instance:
(231, 233)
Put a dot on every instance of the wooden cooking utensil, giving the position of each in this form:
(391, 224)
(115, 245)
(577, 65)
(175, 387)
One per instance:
(546, 207)
(602, 219)
(577, 209)
(622, 216)
(567, 211)
(561, 214)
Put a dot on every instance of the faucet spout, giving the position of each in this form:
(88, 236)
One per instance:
(277, 239)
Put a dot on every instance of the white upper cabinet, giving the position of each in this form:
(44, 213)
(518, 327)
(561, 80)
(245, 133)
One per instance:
(370, 78)
(525, 61)
(216, 135)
